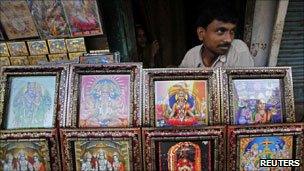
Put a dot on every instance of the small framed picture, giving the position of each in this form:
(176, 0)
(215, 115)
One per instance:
(184, 148)
(76, 45)
(17, 48)
(106, 149)
(34, 60)
(58, 57)
(105, 95)
(248, 145)
(33, 96)
(257, 95)
(19, 60)
(57, 46)
(4, 61)
(181, 97)
(97, 58)
(29, 150)
(3, 50)
(38, 47)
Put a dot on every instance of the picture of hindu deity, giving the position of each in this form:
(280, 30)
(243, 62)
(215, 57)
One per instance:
(104, 101)
(194, 155)
(49, 17)
(102, 155)
(83, 17)
(181, 103)
(257, 101)
(264, 147)
(31, 102)
(24, 156)
(17, 21)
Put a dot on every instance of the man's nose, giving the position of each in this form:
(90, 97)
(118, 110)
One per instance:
(228, 37)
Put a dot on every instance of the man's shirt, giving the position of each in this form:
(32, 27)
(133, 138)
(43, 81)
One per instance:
(237, 56)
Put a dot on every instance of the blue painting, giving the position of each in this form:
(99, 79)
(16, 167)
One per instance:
(31, 102)
(257, 101)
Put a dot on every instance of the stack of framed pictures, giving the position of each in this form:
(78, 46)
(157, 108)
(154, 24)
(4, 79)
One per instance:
(33, 104)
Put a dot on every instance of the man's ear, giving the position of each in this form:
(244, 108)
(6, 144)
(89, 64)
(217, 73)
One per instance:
(200, 33)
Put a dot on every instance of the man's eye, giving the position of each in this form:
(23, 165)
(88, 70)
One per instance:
(220, 31)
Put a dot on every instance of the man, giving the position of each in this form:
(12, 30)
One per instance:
(216, 30)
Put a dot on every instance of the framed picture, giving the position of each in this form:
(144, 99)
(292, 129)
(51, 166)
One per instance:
(184, 148)
(17, 48)
(181, 97)
(257, 95)
(247, 145)
(38, 47)
(58, 57)
(34, 60)
(17, 21)
(33, 96)
(4, 61)
(29, 150)
(106, 149)
(105, 95)
(3, 50)
(97, 58)
(57, 46)
(19, 60)
(75, 45)
(83, 17)
(49, 18)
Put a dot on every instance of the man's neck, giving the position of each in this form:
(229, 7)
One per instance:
(208, 57)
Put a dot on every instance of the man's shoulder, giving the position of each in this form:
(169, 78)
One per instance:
(239, 45)
(195, 49)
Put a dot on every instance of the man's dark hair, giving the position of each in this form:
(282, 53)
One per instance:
(218, 10)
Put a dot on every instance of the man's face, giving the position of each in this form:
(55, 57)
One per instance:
(141, 38)
(217, 37)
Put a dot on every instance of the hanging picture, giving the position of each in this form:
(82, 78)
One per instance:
(32, 95)
(57, 46)
(16, 19)
(107, 149)
(29, 150)
(49, 17)
(105, 95)
(248, 145)
(180, 97)
(83, 17)
(38, 47)
(255, 96)
(184, 149)
(17, 48)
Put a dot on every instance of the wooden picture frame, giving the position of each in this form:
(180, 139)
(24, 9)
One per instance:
(267, 92)
(33, 96)
(188, 148)
(163, 88)
(28, 149)
(85, 149)
(247, 144)
(105, 95)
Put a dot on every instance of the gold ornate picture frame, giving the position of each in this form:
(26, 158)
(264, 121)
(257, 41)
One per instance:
(257, 95)
(184, 148)
(33, 96)
(30, 150)
(105, 95)
(101, 149)
(181, 97)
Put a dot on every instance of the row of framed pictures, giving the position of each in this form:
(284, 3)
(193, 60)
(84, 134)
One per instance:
(111, 95)
(42, 47)
(152, 149)
(50, 19)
